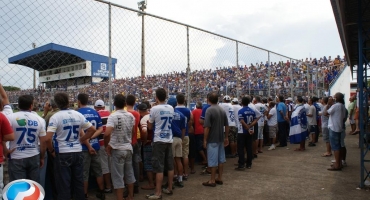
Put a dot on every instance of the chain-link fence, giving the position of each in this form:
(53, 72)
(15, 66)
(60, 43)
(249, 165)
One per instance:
(98, 48)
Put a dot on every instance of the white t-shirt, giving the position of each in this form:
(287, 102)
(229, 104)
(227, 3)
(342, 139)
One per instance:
(66, 125)
(27, 128)
(229, 109)
(237, 107)
(311, 119)
(122, 123)
(337, 113)
(273, 120)
(161, 116)
(262, 109)
(258, 114)
(7, 110)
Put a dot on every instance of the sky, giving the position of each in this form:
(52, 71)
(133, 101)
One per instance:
(297, 29)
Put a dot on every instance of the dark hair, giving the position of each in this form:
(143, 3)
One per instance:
(300, 99)
(246, 100)
(119, 101)
(315, 99)
(180, 98)
(62, 100)
(25, 102)
(199, 104)
(272, 104)
(281, 98)
(161, 94)
(130, 100)
(325, 99)
(213, 97)
(258, 98)
(339, 98)
(83, 98)
(264, 100)
(147, 104)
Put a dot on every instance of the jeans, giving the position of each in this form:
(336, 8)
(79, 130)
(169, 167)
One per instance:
(43, 171)
(25, 168)
(282, 133)
(51, 186)
(136, 159)
(245, 141)
(68, 168)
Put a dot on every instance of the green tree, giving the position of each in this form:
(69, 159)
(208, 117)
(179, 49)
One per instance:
(11, 88)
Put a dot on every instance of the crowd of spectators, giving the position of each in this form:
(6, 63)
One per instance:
(303, 75)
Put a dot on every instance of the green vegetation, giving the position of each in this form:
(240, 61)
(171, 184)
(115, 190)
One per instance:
(11, 88)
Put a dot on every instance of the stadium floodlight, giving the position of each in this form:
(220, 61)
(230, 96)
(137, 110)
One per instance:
(141, 5)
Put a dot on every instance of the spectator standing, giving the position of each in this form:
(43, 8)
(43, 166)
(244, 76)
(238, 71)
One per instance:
(282, 121)
(312, 122)
(261, 121)
(161, 117)
(25, 158)
(272, 124)
(90, 150)
(247, 118)
(324, 127)
(199, 131)
(229, 110)
(64, 127)
(214, 139)
(6, 134)
(105, 160)
(298, 125)
(117, 142)
(351, 114)
(336, 112)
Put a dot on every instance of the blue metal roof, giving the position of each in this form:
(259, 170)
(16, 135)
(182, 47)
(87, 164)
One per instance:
(54, 55)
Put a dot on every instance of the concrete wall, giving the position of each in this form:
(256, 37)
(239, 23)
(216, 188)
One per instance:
(342, 84)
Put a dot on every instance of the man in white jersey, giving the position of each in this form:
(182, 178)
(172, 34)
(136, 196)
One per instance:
(229, 109)
(25, 158)
(160, 120)
(261, 122)
(64, 128)
(117, 142)
(237, 107)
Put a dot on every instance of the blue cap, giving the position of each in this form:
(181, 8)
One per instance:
(172, 101)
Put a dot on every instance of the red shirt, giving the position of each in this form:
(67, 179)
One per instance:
(5, 129)
(104, 114)
(137, 121)
(198, 128)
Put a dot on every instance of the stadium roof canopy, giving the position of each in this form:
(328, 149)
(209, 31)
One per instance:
(348, 15)
(53, 55)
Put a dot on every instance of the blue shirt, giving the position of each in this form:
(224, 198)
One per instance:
(204, 109)
(178, 124)
(318, 109)
(248, 115)
(281, 107)
(187, 113)
(94, 118)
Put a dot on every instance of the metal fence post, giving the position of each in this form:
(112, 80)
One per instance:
(188, 68)
(291, 79)
(237, 68)
(110, 54)
(308, 80)
(142, 45)
(269, 74)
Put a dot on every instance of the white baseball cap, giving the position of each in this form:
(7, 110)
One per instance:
(289, 99)
(227, 98)
(235, 100)
(99, 103)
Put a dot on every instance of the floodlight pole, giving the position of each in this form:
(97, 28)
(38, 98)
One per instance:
(110, 55)
(188, 68)
(142, 8)
(269, 75)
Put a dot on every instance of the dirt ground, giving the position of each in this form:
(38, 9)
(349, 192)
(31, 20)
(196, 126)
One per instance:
(279, 174)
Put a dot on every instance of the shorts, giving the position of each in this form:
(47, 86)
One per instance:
(199, 142)
(272, 131)
(192, 146)
(351, 120)
(122, 168)
(177, 147)
(215, 154)
(233, 130)
(260, 132)
(91, 162)
(319, 122)
(335, 139)
(162, 155)
(105, 160)
(185, 147)
(312, 129)
(325, 134)
(357, 114)
(147, 154)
